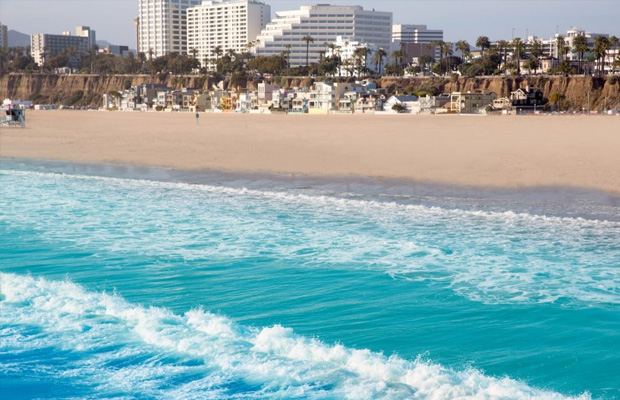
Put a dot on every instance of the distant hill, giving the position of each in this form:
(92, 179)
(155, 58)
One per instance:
(103, 43)
(18, 39)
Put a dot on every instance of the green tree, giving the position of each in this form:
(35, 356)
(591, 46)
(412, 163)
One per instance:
(502, 47)
(308, 39)
(361, 59)
(517, 48)
(560, 44)
(483, 43)
(463, 47)
(581, 47)
(601, 46)
(377, 59)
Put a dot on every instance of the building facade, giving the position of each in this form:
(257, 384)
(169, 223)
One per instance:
(85, 31)
(162, 26)
(415, 34)
(323, 23)
(227, 24)
(43, 45)
(4, 36)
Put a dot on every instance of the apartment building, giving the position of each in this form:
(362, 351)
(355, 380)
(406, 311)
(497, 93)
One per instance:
(323, 23)
(227, 24)
(4, 36)
(162, 26)
(43, 45)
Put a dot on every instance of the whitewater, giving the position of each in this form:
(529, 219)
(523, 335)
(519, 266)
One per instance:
(131, 288)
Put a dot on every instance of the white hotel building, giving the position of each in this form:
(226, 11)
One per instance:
(324, 23)
(162, 26)
(230, 24)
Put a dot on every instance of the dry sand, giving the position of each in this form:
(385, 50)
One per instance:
(575, 151)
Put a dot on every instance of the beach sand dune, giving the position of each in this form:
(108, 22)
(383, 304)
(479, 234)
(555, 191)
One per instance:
(507, 151)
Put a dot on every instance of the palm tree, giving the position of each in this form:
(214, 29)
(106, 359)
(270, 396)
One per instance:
(560, 43)
(398, 56)
(194, 53)
(614, 42)
(601, 45)
(217, 52)
(447, 51)
(463, 47)
(308, 39)
(502, 47)
(517, 46)
(377, 58)
(287, 53)
(361, 55)
(536, 48)
(580, 46)
(483, 43)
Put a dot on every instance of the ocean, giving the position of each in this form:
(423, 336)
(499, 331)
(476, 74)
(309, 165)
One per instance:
(136, 283)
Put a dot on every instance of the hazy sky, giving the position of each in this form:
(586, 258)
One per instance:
(460, 19)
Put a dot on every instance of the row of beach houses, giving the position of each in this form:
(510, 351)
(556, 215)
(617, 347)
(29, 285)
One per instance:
(321, 98)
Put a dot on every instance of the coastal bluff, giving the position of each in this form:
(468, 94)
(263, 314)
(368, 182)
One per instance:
(567, 93)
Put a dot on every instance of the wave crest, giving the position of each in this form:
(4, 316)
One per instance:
(134, 349)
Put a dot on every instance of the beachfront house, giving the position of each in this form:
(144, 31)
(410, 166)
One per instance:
(369, 102)
(299, 103)
(424, 105)
(400, 104)
(471, 102)
(526, 99)
(321, 98)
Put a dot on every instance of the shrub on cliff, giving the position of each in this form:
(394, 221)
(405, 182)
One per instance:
(74, 98)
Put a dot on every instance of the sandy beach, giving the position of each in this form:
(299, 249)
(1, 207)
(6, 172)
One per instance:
(515, 151)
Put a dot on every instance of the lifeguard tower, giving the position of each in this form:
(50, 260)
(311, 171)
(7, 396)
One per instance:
(12, 118)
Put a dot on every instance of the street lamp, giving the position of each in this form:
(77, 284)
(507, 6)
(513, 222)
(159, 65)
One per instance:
(513, 33)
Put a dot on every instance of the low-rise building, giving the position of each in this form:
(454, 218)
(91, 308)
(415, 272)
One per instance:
(471, 102)
(400, 104)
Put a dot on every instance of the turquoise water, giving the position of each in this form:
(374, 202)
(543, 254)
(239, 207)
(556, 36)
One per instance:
(125, 288)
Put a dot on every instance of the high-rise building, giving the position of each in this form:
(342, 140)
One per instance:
(4, 36)
(323, 23)
(43, 45)
(415, 34)
(163, 26)
(227, 24)
(85, 31)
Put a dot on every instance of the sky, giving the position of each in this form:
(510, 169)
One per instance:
(460, 19)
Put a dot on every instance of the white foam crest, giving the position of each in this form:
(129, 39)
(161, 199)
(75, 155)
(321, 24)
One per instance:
(273, 359)
(369, 205)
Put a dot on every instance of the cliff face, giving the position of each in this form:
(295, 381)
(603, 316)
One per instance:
(568, 92)
(57, 89)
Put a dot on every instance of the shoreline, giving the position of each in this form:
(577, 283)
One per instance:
(572, 202)
(502, 152)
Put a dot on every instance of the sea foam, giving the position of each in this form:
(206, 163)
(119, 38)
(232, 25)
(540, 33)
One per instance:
(125, 349)
(488, 257)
